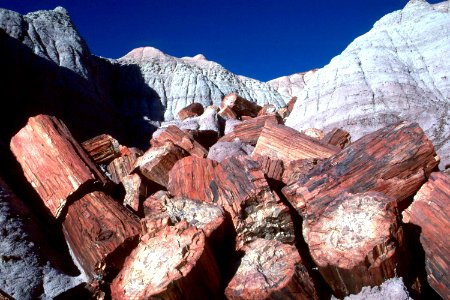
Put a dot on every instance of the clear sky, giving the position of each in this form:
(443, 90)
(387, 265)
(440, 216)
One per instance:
(261, 39)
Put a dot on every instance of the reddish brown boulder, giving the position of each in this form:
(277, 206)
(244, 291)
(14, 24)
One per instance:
(227, 113)
(355, 241)
(241, 106)
(191, 178)
(123, 165)
(298, 169)
(271, 270)
(287, 144)
(100, 233)
(192, 110)
(337, 137)
(53, 162)
(395, 160)
(156, 162)
(176, 263)
(181, 139)
(102, 148)
(431, 211)
(272, 168)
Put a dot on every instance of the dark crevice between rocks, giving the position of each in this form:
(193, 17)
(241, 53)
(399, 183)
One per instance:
(322, 288)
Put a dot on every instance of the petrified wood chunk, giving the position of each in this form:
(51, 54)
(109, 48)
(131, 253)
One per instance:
(272, 168)
(290, 105)
(271, 270)
(314, 133)
(241, 106)
(156, 162)
(134, 190)
(267, 109)
(243, 191)
(181, 139)
(227, 113)
(285, 143)
(222, 150)
(122, 166)
(176, 263)
(191, 177)
(395, 160)
(206, 138)
(355, 241)
(337, 137)
(230, 124)
(298, 169)
(249, 130)
(102, 148)
(53, 162)
(431, 211)
(99, 232)
(192, 110)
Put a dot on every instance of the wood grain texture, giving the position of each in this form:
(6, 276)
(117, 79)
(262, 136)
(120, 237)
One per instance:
(337, 137)
(270, 270)
(176, 263)
(192, 110)
(100, 232)
(102, 148)
(123, 165)
(249, 131)
(241, 106)
(395, 160)
(53, 161)
(287, 144)
(135, 189)
(431, 211)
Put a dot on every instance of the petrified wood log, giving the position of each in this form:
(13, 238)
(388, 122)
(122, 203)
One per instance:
(53, 162)
(102, 148)
(241, 106)
(191, 178)
(314, 133)
(156, 162)
(206, 138)
(240, 187)
(298, 169)
(395, 160)
(271, 270)
(431, 211)
(192, 110)
(100, 232)
(290, 105)
(356, 241)
(273, 168)
(122, 166)
(176, 263)
(337, 137)
(135, 189)
(221, 150)
(249, 130)
(181, 139)
(285, 143)
(227, 113)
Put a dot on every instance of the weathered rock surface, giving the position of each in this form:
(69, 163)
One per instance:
(292, 85)
(221, 150)
(393, 289)
(398, 70)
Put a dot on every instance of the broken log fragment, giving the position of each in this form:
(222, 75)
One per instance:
(314, 133)
(102, 148)
(287, 144)
(431, 211)
(181, 139)
(273, 168)
(122, 166)
(100, 233)
(227, 113)
(271, 270)
(156, 162)
(249, 130)
(356, 241)
(135, 189)
(337, 137)
(221, 150)
(53, 162)
(176, 263)
(395, 160)
(192, 110)
(191, 177)
(256, 212)
(298, 169)
(241, 106)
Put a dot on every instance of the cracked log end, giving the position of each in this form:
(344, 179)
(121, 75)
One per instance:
(270, 270)
(174, 264)
(354, 241)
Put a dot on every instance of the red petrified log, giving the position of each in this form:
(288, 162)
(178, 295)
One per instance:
(395, 160)
(271, 270)
(191, 177)
(122, 166)
(287, 144)
(249, 130)
(227, 113)
(241, 188)
(156, 163)
(53, 162)
(175, 263)
(134, 190)
(241, 106)
(102, 148)
(431, 211)
(355, 241)
(337, 137)
(298, 169)
(272, 168)
(181, 139)
(99, 232)
(192, 110)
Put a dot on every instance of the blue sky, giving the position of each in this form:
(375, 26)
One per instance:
(259, 39)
